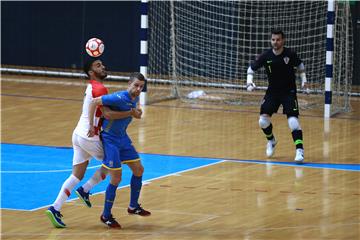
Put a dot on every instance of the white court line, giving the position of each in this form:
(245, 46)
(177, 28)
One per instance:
(144, 182)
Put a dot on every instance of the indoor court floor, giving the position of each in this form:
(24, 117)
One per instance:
(206, 173)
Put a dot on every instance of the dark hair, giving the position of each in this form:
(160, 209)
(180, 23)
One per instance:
(88, 64)
(137, 75)
(278, 32)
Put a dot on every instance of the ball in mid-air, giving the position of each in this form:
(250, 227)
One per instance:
(95, 47)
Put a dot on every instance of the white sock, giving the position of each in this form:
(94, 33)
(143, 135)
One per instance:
(65, 191)
(95, 179)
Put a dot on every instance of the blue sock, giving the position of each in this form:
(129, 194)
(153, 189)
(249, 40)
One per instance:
(109, 199)
(135, 186)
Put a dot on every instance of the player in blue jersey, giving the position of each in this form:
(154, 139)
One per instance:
(280, 64)
(84, 147)
(118, 147)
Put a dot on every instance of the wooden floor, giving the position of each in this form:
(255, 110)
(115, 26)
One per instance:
(228, 200)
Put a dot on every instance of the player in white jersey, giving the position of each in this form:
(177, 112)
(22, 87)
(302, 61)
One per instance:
(86, 147)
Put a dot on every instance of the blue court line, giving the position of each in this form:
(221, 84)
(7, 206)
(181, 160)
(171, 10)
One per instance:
(36, 173)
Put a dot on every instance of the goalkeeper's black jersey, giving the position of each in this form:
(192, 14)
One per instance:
(280, 69)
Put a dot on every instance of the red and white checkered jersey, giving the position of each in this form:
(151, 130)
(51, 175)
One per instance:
(94, 89)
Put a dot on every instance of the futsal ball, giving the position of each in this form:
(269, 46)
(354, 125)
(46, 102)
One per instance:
(95, 47)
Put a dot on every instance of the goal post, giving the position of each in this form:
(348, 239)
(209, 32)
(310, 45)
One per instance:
(200, 50)
(144, 47)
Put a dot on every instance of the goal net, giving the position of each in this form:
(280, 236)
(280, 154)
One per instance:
(200, 50)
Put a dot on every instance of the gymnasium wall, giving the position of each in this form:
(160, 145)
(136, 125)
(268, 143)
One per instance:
(53, 34)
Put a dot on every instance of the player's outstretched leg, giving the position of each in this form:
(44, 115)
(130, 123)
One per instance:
(297, 136)
(110, 194)
(135, 189)
(266, 126)
(53, 212)
(55, 217)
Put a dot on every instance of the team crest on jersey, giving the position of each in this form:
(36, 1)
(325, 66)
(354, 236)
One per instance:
(286, 60)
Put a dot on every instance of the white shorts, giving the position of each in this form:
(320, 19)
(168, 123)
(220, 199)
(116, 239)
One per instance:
(85, 149)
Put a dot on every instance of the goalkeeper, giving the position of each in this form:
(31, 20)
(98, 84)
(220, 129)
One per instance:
(280, 64)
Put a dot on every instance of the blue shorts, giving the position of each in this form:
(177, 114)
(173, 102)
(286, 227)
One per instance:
(117, 150)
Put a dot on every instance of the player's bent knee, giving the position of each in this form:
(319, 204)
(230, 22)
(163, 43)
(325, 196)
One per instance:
(264, 122)
(294, 123)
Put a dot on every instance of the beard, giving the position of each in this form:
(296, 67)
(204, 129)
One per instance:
(101, 75)
(134, 94)
(276, 46)
(104, 76)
